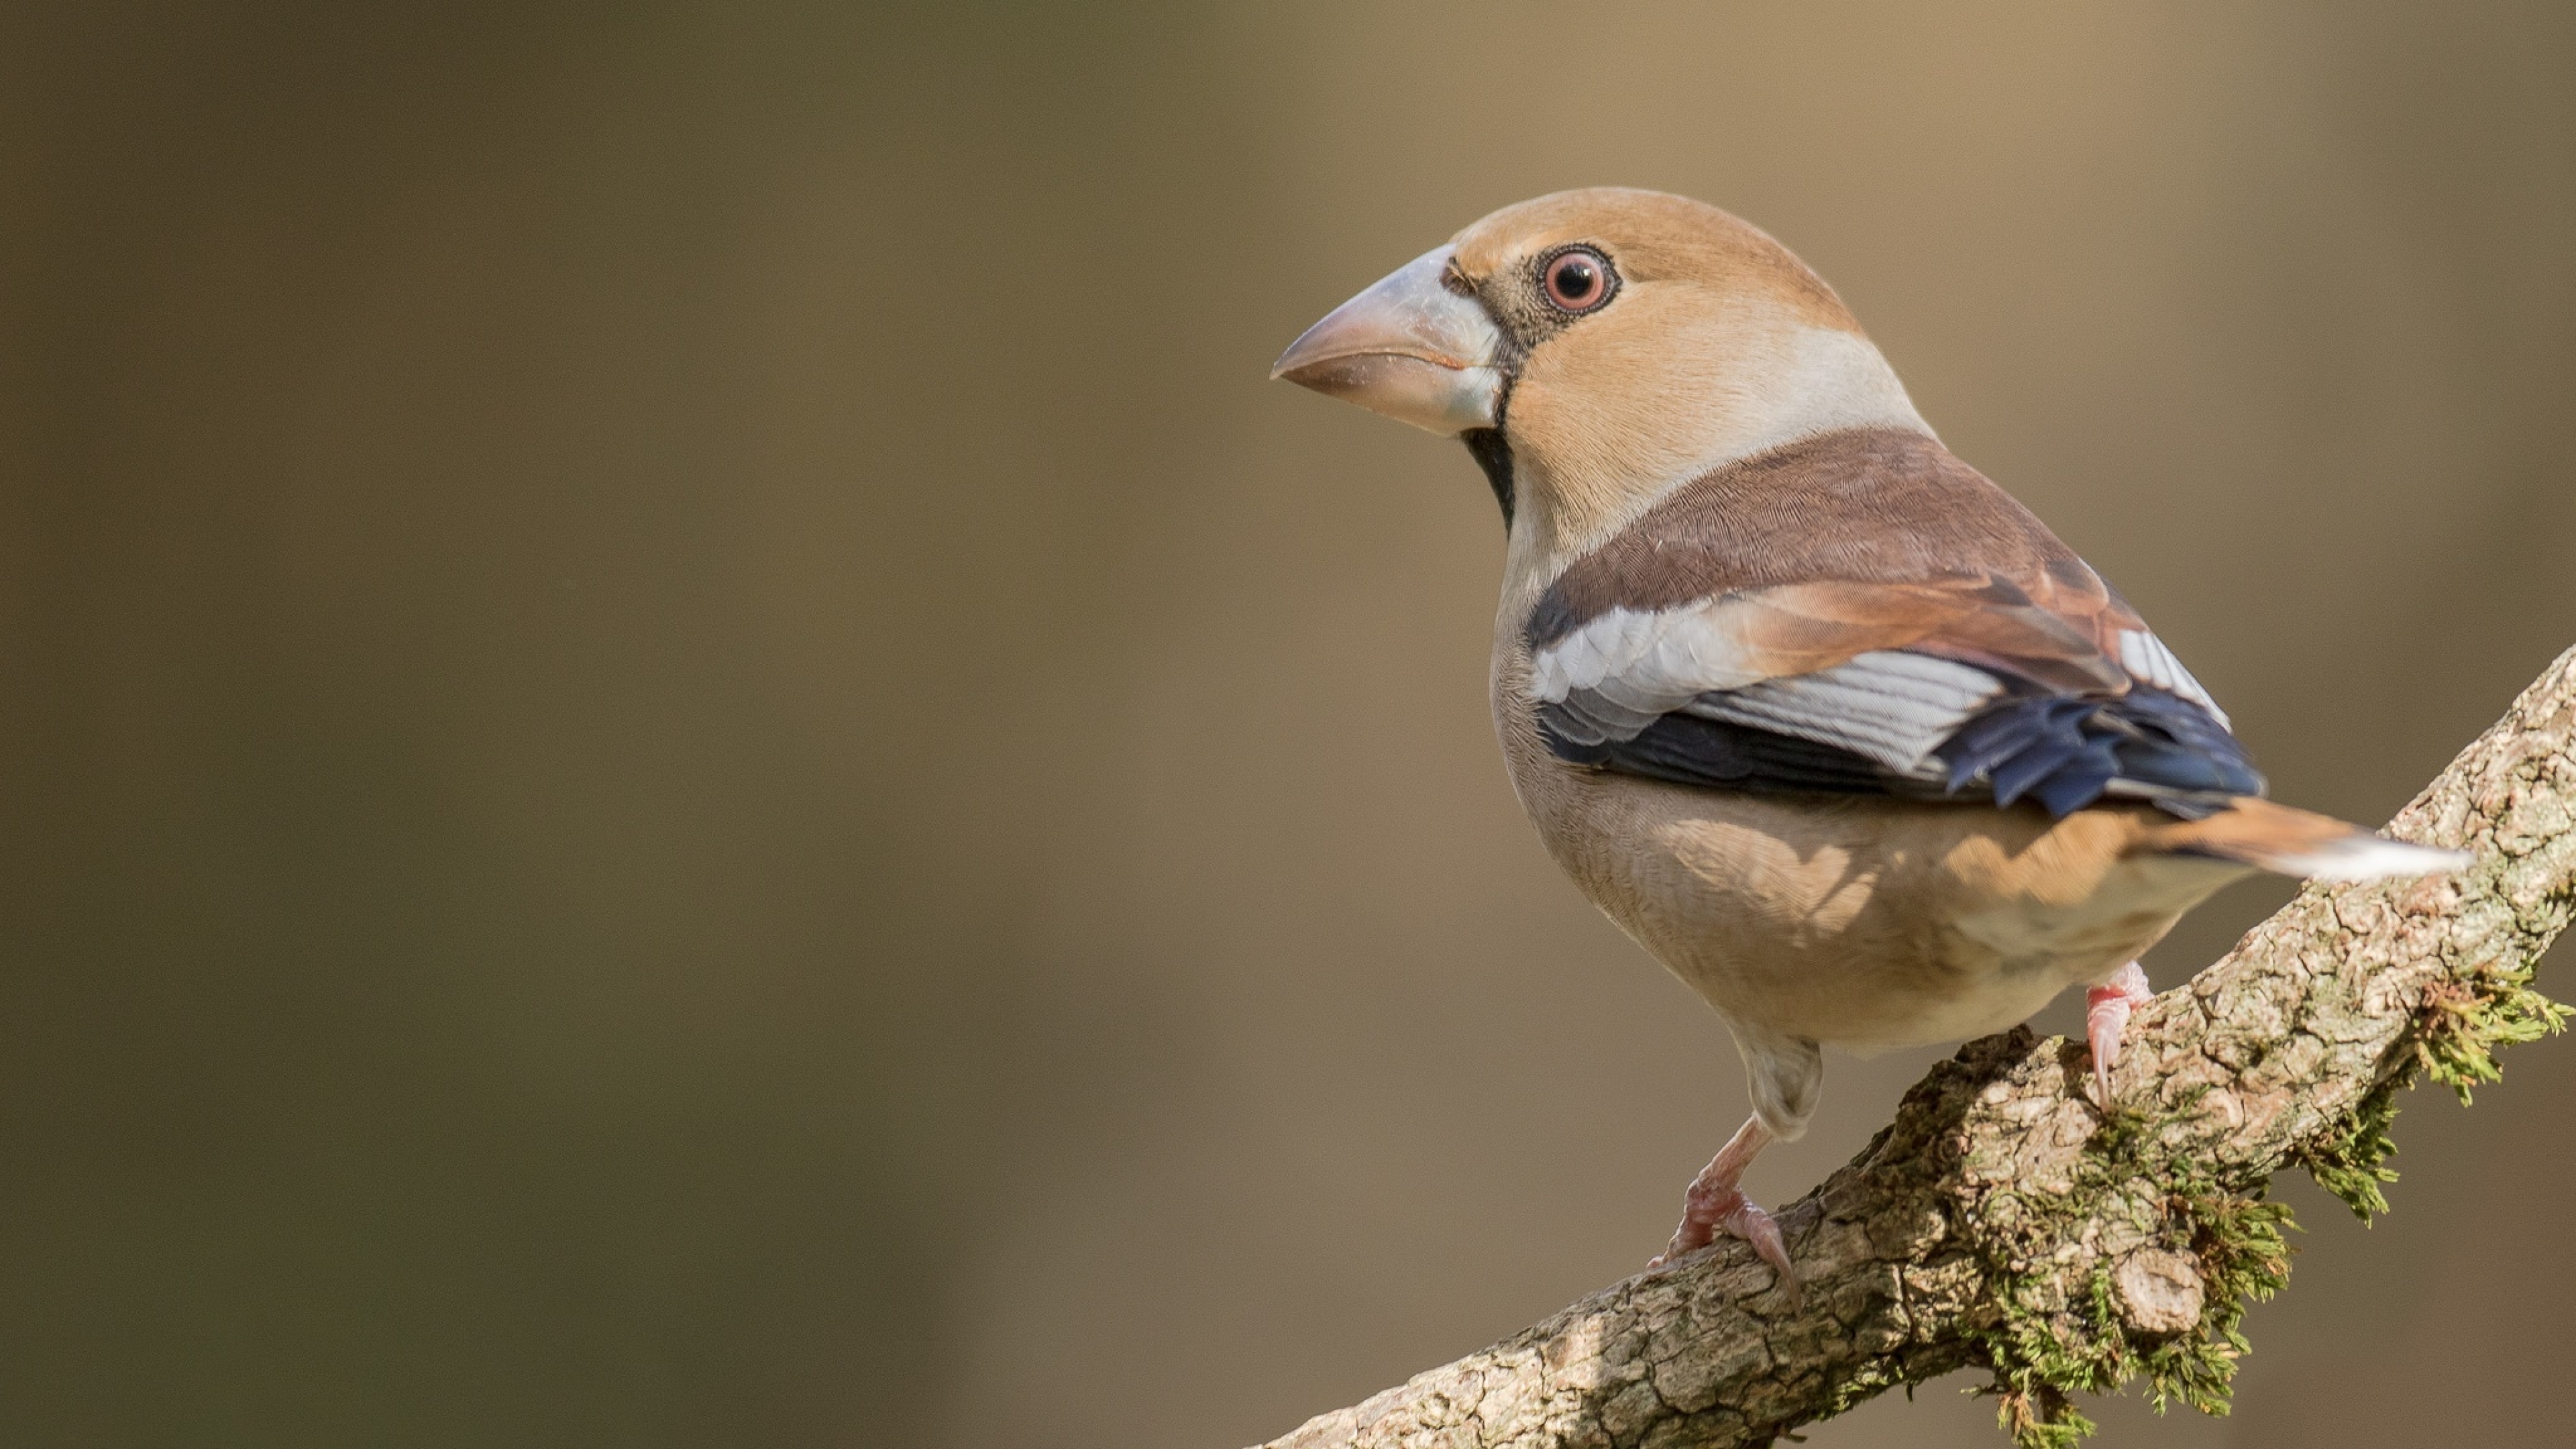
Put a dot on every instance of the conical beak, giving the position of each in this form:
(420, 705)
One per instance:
(1407, 347)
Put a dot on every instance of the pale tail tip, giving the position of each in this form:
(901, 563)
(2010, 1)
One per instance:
(2371, 857)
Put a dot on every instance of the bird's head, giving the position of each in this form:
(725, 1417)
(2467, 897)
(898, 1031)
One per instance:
(1597, 348)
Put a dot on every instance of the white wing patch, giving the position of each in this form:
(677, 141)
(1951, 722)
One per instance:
(1627, 666)
(1892, 707)
(1614, 676)
(2146, 658)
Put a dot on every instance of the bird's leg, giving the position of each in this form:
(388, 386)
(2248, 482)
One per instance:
(2106, 1015)
(1714, 1202)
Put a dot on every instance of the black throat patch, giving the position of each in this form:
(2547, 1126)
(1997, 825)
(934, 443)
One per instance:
(1493, 453)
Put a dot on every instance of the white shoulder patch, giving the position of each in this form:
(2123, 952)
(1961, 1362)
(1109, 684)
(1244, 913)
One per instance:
(2146, 657)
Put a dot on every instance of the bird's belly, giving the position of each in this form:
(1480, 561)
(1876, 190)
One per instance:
(1862, 921)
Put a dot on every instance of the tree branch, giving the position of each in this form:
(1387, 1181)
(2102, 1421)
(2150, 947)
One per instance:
(2003, 1221)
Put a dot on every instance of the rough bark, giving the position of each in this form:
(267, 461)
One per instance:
(2003, 1221)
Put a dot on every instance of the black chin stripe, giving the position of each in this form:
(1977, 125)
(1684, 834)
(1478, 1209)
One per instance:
(1493, 453)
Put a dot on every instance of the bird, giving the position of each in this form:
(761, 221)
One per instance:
(1827, 722)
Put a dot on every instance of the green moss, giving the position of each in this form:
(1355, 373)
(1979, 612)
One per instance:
(2465, 1019)
(2462, 1024)
(2244, 1259)
(2044, 1351)
(2353, 1163)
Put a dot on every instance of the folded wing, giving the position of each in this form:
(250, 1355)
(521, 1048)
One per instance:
(2002, 668)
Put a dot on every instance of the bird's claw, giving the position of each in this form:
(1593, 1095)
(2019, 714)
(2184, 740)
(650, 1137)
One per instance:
(2106, 1016)
(1711, 1211)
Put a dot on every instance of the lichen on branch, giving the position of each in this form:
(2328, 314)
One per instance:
(2004, 1220)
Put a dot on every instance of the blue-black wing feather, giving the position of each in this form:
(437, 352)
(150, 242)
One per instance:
(2064, 752)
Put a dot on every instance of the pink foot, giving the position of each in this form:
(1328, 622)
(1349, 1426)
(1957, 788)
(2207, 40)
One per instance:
(1715, 1204)
(1728, 1210)
(2106, 1015)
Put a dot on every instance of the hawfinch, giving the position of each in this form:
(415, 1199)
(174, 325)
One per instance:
(1820, 716)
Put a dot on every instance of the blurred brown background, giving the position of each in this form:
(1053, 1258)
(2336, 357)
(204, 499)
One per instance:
(691, 758)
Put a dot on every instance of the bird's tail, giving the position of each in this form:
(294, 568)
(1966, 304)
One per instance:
(2288, 841)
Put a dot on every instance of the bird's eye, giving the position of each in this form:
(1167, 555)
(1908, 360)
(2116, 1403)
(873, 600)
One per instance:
(1577, 280)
